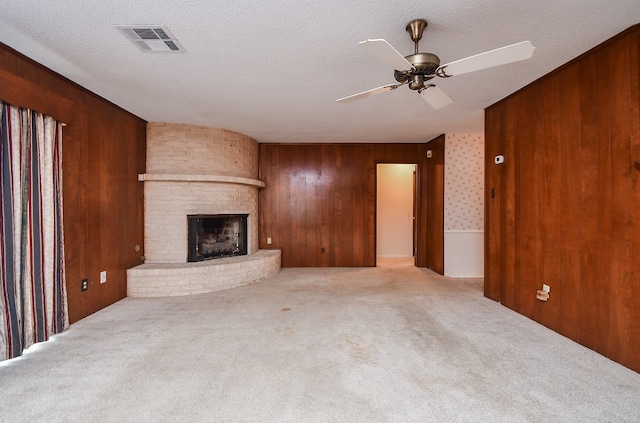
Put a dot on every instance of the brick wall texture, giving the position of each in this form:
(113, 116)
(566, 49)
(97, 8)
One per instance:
(200, 150)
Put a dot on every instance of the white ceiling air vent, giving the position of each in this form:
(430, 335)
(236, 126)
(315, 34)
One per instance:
(151, 38)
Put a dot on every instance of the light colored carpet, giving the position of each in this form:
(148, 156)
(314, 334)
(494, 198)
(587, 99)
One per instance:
(388, 344)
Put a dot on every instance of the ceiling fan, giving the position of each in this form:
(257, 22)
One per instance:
(418, 68)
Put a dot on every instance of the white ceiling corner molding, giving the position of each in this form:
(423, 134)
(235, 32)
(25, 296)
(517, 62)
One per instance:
(151, 38)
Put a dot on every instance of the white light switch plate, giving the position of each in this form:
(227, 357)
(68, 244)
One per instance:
(103, 276)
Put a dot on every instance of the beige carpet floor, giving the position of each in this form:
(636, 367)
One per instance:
(388, 344)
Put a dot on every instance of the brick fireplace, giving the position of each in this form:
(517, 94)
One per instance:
(197, 170)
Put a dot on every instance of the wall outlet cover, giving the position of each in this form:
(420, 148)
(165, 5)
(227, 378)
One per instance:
(542, 296)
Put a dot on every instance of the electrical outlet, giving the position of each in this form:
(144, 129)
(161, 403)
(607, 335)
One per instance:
(84, 285)
(103, 276)
(269, 240)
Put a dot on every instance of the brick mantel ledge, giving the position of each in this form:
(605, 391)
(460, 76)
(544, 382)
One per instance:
(163, 177)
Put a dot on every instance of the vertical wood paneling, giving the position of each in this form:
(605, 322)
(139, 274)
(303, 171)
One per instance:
(368, 218)
(282, 228)
(434, 209)
(423, 256)
(634, 123)
(313, 207)
(135, 154)
(103, 152)
(359, 241)
(528, 236)
(551, 259)
(273, 203)
(492, 248)
(570, 188)
(573, 136)
(75, 193)
(604, 208)
(96, 181)
(344, 240)
(508, 213)
(328, 178)
(337, 227)
(621, 202)
(590, 262)
(295, 204)
(324, 196)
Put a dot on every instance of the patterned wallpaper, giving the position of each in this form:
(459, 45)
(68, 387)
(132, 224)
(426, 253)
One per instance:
(464, 182)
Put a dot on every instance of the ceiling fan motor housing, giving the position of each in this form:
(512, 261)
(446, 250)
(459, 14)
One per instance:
(425, 65)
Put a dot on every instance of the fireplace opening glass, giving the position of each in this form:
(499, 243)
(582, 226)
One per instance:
(216, 236)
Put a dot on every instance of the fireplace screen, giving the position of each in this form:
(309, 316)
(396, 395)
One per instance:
(216, 236)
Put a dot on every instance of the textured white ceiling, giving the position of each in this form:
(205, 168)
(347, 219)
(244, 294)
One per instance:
(272, 70)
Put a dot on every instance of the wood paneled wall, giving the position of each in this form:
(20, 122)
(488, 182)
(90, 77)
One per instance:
(433, 243)
(325, 196)
(564, 208)
(103, 152)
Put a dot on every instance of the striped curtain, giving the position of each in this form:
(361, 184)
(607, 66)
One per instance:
(33, 302)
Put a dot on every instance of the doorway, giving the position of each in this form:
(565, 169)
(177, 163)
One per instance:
(395, 212)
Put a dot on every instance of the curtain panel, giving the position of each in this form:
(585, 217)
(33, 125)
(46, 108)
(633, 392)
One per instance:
(33, 305)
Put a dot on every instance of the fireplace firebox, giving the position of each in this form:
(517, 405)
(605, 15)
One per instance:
(216, 236)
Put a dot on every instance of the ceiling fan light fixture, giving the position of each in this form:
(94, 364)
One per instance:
(417, 82)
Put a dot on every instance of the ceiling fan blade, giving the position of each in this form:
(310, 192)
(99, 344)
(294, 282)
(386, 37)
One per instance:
(386, 54)
(488, 59)
(368, 93)
(435, 97)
